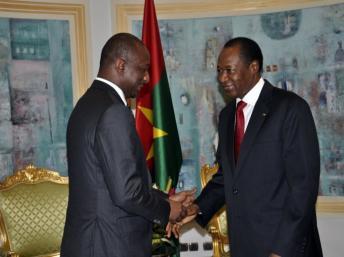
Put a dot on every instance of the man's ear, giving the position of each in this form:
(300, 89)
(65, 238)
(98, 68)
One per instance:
(254, 67)
(120, 65)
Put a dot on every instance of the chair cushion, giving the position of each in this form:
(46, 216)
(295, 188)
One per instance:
(222, 218)
(34, 217)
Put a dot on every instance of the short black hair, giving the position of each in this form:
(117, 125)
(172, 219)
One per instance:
(249, 50)
(120, 45)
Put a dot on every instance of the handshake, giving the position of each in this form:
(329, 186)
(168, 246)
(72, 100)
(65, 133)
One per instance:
(183, 210)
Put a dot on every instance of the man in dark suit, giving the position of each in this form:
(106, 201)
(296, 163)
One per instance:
(112, 205)
(268, 181)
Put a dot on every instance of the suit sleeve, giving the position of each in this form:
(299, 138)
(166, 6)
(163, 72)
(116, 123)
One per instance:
(124, 167)
(160, 193)
(211, 199)
(301, 163)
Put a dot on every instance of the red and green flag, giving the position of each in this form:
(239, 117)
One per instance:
(155, 119)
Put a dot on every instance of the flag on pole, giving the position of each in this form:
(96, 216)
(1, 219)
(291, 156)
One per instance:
(155, 119)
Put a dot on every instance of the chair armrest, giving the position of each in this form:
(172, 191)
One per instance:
(4, 253)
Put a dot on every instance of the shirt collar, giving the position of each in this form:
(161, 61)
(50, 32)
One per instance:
(252, 96)
(114, 86)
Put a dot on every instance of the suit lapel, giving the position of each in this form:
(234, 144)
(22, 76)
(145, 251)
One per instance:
(259, 114)
(227, 130)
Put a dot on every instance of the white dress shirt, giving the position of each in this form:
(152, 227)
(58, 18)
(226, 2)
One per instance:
(250, 99)
(114, 86)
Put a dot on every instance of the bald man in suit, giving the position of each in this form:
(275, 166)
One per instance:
(112, 206)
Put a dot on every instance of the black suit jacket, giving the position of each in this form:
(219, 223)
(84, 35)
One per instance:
(111, 205)
(271, 193)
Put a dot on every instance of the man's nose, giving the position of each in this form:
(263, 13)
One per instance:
(222, 76)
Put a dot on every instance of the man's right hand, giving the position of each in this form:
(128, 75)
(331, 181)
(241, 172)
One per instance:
(191, 213)
(178, 211)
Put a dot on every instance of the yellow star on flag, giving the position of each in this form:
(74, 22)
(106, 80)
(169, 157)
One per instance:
(148, 113)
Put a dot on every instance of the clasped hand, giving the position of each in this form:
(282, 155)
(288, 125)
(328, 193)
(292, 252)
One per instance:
(179, 203)
(183, 210)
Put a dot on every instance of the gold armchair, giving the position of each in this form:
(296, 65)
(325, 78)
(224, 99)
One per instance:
(33, 205)
(217, 226)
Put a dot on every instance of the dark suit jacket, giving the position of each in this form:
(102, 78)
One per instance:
(271, 193)
(111, 205)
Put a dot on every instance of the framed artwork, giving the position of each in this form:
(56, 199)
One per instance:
(43, 67)
(301, 54)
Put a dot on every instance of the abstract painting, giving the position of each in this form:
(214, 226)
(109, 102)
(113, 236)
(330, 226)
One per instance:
(36, 93)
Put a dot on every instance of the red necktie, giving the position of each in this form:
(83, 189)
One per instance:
(239, 128)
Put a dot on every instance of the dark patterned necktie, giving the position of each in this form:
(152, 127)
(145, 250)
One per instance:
(239, 128)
